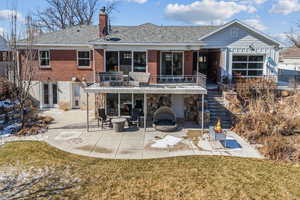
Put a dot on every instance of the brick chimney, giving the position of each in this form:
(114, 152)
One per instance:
(103, 23)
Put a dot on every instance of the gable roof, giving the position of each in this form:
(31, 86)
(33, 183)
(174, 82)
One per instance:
(145, 33)
(250, 28)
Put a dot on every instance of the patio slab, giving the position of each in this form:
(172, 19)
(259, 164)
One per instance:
(68, 133)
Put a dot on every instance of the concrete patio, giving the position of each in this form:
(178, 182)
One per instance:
(68, 133)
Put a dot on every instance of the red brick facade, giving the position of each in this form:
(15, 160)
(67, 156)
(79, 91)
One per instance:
(63, 65)
(188, 63)
(154, 63)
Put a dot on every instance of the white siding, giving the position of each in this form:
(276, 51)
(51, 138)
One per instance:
(246, 42)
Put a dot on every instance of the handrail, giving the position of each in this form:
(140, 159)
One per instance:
(199, 79)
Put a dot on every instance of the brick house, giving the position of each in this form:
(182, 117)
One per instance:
(170, 54)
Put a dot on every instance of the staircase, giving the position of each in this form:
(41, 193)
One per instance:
(217, 109)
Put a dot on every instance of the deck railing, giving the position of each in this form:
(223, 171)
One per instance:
(117, 78)
(199, 79)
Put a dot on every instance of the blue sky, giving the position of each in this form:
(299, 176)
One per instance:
(274, 17)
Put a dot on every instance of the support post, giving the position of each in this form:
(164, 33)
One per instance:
(145, 112)
(87, 112)
(202, 114)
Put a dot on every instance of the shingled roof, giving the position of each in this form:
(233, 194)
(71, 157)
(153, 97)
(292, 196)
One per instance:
(145, 33)
(291, 52)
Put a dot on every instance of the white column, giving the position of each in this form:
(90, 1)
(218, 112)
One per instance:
(145, 111)
(202, 114)
(87, 111)
(119, 105)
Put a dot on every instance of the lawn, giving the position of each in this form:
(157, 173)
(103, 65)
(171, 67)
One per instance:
(195, 177)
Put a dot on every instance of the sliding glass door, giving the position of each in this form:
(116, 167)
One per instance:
(172, 63)
(123, 104)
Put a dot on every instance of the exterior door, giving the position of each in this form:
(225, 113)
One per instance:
(76, 96)
(50, 95)
(172, 63)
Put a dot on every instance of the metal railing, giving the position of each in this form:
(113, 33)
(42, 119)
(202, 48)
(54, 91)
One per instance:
(117, 78)
(199, 79)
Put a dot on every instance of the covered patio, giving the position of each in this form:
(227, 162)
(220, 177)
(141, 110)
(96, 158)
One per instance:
(146, 90)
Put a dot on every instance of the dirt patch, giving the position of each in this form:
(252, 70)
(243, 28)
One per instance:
(95, 149)
(179, 146)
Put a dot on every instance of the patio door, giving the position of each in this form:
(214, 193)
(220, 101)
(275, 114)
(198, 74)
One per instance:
(172, 63)
(76, 95)
(49, 95)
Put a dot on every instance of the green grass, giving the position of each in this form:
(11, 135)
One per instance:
(195, 177)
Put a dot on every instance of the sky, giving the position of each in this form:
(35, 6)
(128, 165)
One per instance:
(274, 17)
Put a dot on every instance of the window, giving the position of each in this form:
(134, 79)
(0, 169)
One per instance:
(172, 63)
(139, 62)
(123, 104)
(44, 58)
(126, 61)
(83, 58)
(247, 65)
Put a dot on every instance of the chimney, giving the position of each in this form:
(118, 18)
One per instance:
(103, 23)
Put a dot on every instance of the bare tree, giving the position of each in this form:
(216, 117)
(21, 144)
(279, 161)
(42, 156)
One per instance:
(61, 14)
(23, 66)
(294, 37)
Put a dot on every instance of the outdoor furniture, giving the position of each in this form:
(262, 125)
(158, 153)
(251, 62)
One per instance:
(164, 119)
(135, 118)
(118, 124)
(138, 78)
(111, 78)
(103, 119)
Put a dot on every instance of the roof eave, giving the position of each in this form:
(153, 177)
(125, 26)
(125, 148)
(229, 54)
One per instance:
(248, 27)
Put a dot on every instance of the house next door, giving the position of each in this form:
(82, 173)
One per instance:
(172, 63)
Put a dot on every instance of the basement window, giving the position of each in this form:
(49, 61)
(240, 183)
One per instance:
(83, 58)
(247, 65)
(44, 58)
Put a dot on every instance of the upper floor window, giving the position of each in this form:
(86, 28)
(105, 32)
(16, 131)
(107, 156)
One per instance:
(44, 58)
(140, 62)
(126, 61)
(83, 58)
(247, 65)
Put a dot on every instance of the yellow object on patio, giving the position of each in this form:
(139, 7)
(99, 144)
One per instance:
(218, 128)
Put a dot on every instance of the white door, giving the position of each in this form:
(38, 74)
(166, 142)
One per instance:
(76, 96)
(178, 105)
(50, 95)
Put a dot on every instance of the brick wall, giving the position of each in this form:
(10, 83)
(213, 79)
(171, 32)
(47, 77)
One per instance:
(153, 63)
(188, 63)
(63, 66)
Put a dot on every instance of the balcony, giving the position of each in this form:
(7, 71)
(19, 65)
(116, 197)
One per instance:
(143, 79)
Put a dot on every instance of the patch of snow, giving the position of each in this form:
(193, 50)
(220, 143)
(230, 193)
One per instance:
(167, 141)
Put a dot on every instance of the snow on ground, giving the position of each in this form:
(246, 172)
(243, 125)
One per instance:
(167, 141)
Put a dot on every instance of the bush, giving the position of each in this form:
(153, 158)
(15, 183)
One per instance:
(274, 123)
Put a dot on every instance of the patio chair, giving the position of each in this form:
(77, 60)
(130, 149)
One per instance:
(135, 118)
(164, 120)
(102, 118)
(138, 78)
